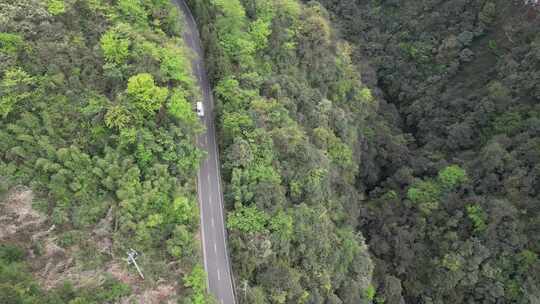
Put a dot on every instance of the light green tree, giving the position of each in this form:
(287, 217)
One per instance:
(56, 7)
(452, 176)
(115, 48)
(175, 64)
(197, 281)
(117, 117)
(143, 92)
(133, 11)
(10, 43)
(426, 195)
(180, 108)
(248, 219)
(13, 89)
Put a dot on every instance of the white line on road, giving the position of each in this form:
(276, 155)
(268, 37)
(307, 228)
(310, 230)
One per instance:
(215, 248)
(202, 226)
(208, 178)
(213, 223)
(218, 275)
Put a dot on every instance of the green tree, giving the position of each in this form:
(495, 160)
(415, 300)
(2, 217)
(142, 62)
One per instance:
(133, 11)
(56, 7)
(248, 219)
(426, 195)
(10, 43)
(15, 87)
(197, 281)
(179, 107)
(146, 96)
(115, 48)
(452, 177)
(117, 117)
(180, 245)
(478, 217)
(175, 65)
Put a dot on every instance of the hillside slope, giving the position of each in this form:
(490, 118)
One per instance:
(464, 79)
(97, 134)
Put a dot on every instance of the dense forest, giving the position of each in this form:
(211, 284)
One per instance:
(438, 168)
(462, 82)
(461, 79)
(291, 110)
(96, 103)
(373, 151)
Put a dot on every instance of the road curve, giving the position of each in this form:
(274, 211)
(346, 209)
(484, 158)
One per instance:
(214, 234)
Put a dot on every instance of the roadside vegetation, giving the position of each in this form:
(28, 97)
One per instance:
(419, 134)
(372, 151)
(96, 119)
(290, 107)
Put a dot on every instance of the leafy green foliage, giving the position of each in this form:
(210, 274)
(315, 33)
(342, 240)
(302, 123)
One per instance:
(460, 94)
(10, 43)
(133, 11)
(426, 194)
(117, 117)
(197, 281)
(143, 92)
(452, 262)
(15, 87)
(248, 219)
(370, 293)
(478, 217)
(175, 65)
(56, 7)
(365, 95)
(88, 125)
(115, 48)
(180, 108)
(452, 177)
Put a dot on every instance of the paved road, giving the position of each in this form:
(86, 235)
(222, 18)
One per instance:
(214, 235)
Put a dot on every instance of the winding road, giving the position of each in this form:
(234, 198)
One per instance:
(214, 234)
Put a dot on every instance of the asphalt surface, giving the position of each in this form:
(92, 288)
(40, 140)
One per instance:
(214, 234)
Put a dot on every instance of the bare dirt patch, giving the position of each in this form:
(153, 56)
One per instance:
(17, 214)
(52, 265)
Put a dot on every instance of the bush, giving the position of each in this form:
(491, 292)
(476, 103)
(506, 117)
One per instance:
(10, 253)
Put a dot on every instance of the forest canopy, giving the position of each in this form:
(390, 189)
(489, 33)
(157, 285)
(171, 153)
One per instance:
(96, 107)
(371, 151)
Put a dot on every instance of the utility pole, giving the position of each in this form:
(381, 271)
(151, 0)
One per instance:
(132, 256)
